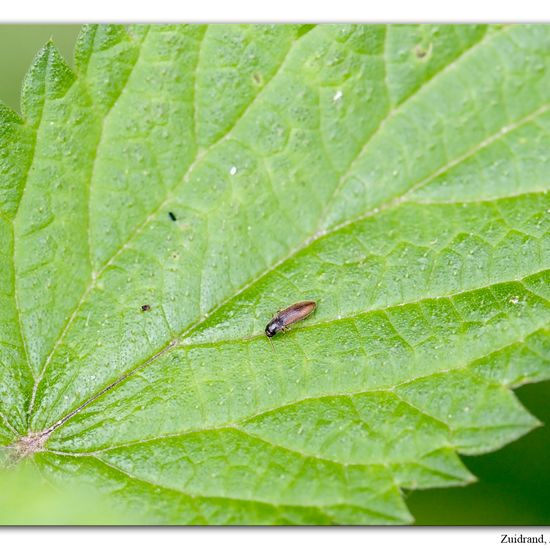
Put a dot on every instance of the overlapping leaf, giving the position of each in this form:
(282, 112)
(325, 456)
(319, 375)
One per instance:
(396, 175)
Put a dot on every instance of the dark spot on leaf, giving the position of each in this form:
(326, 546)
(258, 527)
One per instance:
(257, 78)
(421, 51)
(145, 307)
(172, 216)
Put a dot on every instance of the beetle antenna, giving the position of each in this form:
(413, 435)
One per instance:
(270, 341)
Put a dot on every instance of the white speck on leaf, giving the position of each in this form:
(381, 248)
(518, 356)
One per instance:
(233, 170)
(338, 95)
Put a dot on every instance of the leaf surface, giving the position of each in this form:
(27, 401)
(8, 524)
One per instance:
(396, 175)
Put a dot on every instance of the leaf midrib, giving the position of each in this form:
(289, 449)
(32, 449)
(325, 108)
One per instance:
(352, 315)
(391, 389)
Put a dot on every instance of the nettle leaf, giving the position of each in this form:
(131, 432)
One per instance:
(396, 175)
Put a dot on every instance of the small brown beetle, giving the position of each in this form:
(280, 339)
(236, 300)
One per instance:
(292, 314)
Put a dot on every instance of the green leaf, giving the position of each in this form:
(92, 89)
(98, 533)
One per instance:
(396, 175)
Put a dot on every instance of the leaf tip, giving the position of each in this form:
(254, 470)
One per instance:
(49, 77)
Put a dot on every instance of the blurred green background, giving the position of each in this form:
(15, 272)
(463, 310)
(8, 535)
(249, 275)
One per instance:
(514, 483)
